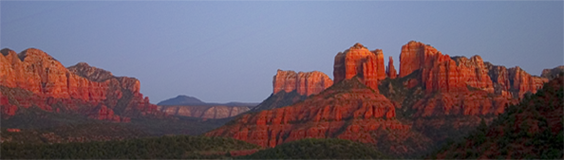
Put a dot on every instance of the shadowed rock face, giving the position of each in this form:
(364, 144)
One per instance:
(531, 129)
(80, 89)
(91, 73)
(552, 73)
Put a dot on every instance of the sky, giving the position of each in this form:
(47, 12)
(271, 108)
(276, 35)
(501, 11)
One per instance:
(224, 51)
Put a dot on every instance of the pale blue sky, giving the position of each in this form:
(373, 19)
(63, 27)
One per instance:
(228, 51)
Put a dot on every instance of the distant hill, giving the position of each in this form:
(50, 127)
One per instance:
(532, 129)
(193, 107)
(181, 100)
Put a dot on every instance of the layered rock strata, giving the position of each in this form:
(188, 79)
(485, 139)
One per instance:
(359, 62)
(75, 88)
(305, 83)
(347, 110)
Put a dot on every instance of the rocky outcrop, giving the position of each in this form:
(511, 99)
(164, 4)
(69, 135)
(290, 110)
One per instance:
(347, 110)
(443, 73)
(552, 73)
(522, 82)
(391, 70)
(291, 87)
(305, 83)
(359, 62)
(77, 88)
(91, 73)
(204, 111)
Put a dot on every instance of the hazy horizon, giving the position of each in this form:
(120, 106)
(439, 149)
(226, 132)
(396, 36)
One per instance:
(223, 52)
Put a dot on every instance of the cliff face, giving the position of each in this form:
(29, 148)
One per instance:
(80, 88)
(290, 87)
(358, 61)
(456, 74)
(204, 111)
(305, 83)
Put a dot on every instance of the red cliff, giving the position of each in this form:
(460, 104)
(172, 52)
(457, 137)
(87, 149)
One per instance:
(359, 61)
(290, 87)
(77, 87)
(305, 83)
(443, 73)
(522, 82)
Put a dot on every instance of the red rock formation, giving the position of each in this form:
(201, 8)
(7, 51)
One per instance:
(500, 79)
(290, 87)
(380, 69)
(348, 110)
(391, 70)
(359, 61)
(416, 55)
(79, 86)
(305, 83)
(522, 82)
(442, 73)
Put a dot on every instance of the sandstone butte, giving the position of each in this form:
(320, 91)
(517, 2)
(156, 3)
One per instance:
(305, 83)
(37, 79)
(354, 109)
(360, 62)
(290, 87)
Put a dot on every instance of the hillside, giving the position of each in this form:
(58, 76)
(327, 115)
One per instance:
(319, 149)
(531, 129)
(181, 100)
(167, 147)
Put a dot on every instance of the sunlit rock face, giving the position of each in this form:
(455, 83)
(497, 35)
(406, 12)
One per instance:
(391, 70)
(44, 82)
(290, 87)
(305, 83)
(358, 61)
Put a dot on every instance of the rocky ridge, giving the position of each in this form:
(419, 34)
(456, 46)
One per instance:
(82, 89)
